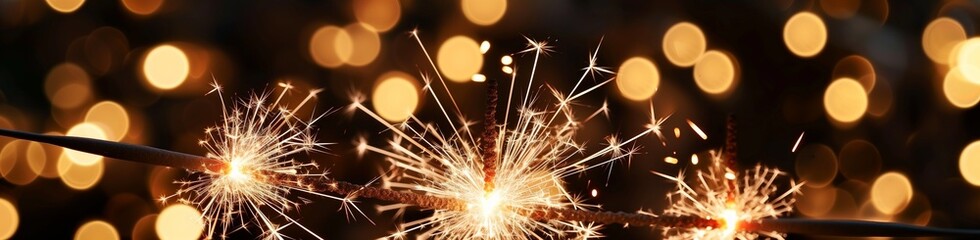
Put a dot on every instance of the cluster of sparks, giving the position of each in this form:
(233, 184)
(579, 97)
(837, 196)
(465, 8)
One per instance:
(256, 141)
(534, 153)
(730, 198)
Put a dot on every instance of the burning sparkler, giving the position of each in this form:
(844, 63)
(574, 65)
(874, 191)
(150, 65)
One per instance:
(516, 168)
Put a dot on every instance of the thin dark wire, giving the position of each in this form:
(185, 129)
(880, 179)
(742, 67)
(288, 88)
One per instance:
(855, 228)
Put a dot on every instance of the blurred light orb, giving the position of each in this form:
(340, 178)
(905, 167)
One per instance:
(382, 15)
(330, 46)
(891, 193)
(683, 44)
(484, 12)
(840, 8)
(396, 96)
(88, 130)
(939, 38)
(79, 177)
(817, 165)
(816, 202)
(845, 100)
(638, 79)
(37, 158)
(859, 160)
(166, 67)
(459, 58)
(365, 44)
(111, 118)
(142, 7)
(715, 72)
(968, 60)
(959, 91)
(9, 219)
(805, 34)
(67, 86)
(179, 222)
(858, 68)
(970, 163)
(506, 60)
(96, 230)
(65, 6)
(143, 228)
(14, 167)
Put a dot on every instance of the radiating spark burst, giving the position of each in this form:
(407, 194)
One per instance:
(257, 140)
(536, 151)
(731, 199)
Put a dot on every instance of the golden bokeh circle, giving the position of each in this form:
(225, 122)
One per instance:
(459, 58)
(9, 219)
(970, 163)
(79, 177)
(396, 96)
(891, 193)
(166, 67)
(683, 44)
(816, 202)
(637, 79)
(65, 6)
(111, 117)
(382, 15)
(968, 60)
(939, 38)
(143, 228)
(845, 100)
(142, 7)
(14, 166)
(330, 46)
(959, 91)
(96, 230)
(805, 34)
(484, 12)
(366, 44)
(859, 160)
(715, 72)
(87, 130)
(840, 8)
(817, 165)
(179, 222)
(67, 86)
(858, 68)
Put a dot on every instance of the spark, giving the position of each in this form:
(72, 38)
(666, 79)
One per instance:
(732, 199)
(535, 150)
(798, 140)
(257, 141)
(697, 130)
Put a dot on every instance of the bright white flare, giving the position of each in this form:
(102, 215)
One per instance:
(730, 198)
(257, 140)
(536, 150)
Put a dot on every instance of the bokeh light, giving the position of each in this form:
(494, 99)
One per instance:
(683, 44)
(816, 201)
(459, 58)
(79, 177)
(716, 72)
(67, 86)
(179, 222)
(805, 34)
(858, 68)
(9, 219)
(37, 158)
(637, 79)
(840, 8)
(111, 118)
(366, 44)
(891, 193)
(330, 46)
(484, 12)
(143, 229)
(845, 100)
(939, 38)
(968, 60)
(970, 163)
(87, 130)
(142, 7)
(14, 166)
(165, 67)
(859, 160)
(817, 165)
(959, 91)
(96, 230)
(65, 6)
(382, 15)
(396, 96)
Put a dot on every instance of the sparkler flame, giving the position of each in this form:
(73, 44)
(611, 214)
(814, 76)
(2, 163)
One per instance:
(257, 141)
(732, 200)
(534, 153)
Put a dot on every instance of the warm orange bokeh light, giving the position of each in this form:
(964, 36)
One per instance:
(638, 79)
(716, 72)
(805, 34)
(9, 219)
(968, 60)
(65, 6)
(179, 222)
(88, 130)
(382, 15)
(939, 38)
(459, 58)
(97, 230)
(330, 46)
(970, 163)
(959, 91)
(845, 100)
(396, 96)
(142, 7)
(111, 118)
(366, 44)
(683, 44)
(67, 86)
(165, 67)
(484, 12)
(817, 165)
(891, 193)
(79, 177)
